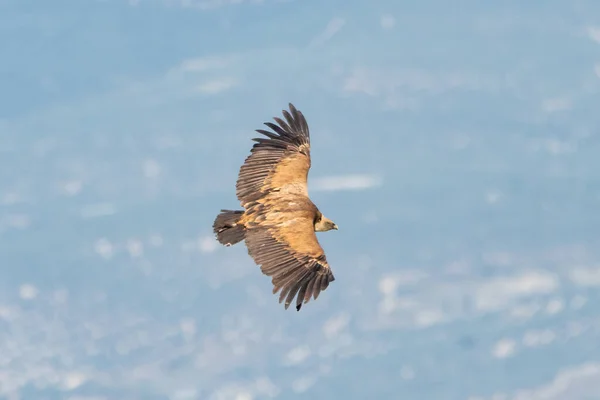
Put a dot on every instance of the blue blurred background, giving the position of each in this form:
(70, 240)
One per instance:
(456, 145)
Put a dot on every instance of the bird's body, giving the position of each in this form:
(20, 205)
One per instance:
(279, 219)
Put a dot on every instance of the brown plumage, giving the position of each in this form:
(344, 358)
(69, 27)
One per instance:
(279, 220)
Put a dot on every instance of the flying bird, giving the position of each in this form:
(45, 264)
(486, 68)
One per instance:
(279, 219)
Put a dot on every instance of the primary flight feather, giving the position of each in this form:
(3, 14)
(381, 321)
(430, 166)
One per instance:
(279, 220)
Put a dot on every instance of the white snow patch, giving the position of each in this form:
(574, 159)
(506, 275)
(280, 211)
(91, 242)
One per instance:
(188, 328)
(297, 355)
(244, 396)
(207, 244)
(73, 380)
(535, 338)
(388, 285)
(498, 293)
(335, 325)
(266, 387)
(387, 305)
(104, 248)
(577, 302)
(525, 311)
(387, 21)
(576, 383)
(558, 147)
(72, 188)
(301, 385)
(216, 86)
(504, 348)
(8, 313)
(585, 276)
(556, 104)
(232, 392)
(11, 198)
(407, 373)
(28, 291)
(202, 64)
(98, 210)
(333, 27)
(152, 169)
(575, 329)
(594, 33)
(185, 394)
(555, 306)
(427, 318)
(135, 247)
(156, 240)
(60, 296)
(346, 182)
(493, 196)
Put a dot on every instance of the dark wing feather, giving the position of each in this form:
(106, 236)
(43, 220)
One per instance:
(291, 255)
(279, 162)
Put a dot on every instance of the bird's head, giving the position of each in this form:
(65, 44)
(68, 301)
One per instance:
(324, 224)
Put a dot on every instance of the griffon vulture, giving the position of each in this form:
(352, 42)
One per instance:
(279, 220)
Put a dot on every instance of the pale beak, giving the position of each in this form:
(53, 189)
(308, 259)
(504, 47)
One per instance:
(335, 227)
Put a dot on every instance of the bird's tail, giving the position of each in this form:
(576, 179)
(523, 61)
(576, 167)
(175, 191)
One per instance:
(227, 229)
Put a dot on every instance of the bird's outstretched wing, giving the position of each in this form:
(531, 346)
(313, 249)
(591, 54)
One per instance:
(285, 246)
(279, 162)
